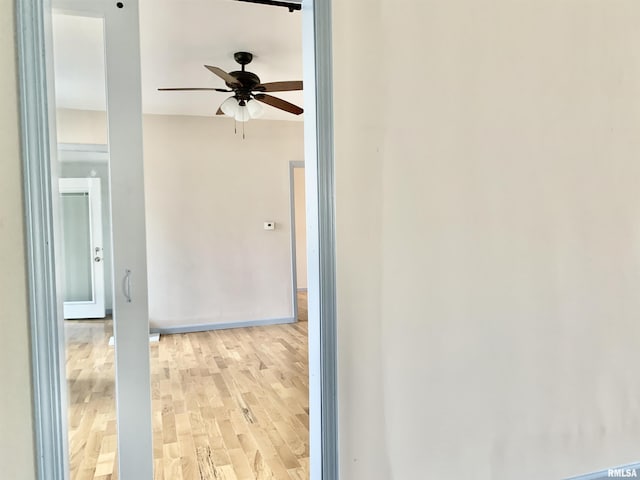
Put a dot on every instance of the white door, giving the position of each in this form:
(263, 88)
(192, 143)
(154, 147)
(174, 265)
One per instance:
(118, 25)
(81, 206)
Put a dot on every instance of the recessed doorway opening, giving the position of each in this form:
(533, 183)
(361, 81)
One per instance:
(129, 285)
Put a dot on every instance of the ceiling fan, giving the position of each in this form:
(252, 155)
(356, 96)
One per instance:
(247, 91)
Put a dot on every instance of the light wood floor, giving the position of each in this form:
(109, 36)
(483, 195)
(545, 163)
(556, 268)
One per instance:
(227, 404)
(303, 312)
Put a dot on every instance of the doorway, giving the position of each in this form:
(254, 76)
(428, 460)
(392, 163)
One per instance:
(298, 239)
(81, 206)
(47, 362)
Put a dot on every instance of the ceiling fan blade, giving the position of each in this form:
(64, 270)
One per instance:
(279, 103)
(193, 88)
(228, 78)
(279, 86)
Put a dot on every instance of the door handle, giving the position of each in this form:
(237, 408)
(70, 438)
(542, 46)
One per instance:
(126, 285)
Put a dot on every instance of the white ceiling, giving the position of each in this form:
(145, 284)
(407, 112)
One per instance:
(177, 38)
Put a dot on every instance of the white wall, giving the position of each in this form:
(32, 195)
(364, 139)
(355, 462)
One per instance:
(301, 227)
(16, 424)
(510, 248)
(208, 193)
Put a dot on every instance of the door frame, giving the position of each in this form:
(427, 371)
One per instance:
(293, 164)
(38, 154)
(131, 328)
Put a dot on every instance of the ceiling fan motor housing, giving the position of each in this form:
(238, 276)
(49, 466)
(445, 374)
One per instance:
(248, 82)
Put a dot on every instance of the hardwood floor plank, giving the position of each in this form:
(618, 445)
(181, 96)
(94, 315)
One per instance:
(158, 468)
(241, 465)
(227, 404)
(189, 465)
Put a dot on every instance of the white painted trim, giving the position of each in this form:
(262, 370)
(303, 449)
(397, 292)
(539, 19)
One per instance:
(320, 195)
(78, 152)
(84, 147)
(47, 350)
(604, 474)
(205, 327)
(292, 222)
(292, 237)
(153, 338)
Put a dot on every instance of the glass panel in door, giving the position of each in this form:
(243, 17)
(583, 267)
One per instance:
(77, 247)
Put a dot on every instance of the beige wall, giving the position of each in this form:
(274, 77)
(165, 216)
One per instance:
(81, 126)
(510, 249)
(16, 425)
(301, 227)
(208, 194)
(359, 203)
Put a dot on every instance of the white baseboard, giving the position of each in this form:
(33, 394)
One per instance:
(204, 327)
(153, 337)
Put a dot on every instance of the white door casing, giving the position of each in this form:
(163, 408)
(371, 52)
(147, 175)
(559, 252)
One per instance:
(81, 206)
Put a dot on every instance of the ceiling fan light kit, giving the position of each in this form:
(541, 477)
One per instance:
(241, 110)
(255, 109)
(248, 92)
